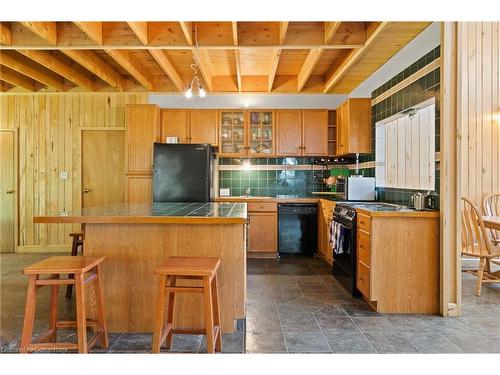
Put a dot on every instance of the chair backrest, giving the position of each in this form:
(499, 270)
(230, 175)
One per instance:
(491, 207)
(475, 240)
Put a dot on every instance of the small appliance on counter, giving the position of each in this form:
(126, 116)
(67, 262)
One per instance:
(360, 188)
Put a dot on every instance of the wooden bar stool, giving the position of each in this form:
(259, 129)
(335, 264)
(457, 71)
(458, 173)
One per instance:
(178, 268)
(55, 267)
(77, 242)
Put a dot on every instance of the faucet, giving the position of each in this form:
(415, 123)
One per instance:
(247, 192)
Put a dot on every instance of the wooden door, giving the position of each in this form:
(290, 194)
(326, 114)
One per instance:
(175, 123)
(315, 136)
(103, 172)
(263, 232)
(203, 126)
(289, 132)
(7, 191)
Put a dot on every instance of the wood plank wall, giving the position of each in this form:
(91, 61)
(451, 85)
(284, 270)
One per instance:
(48, 128)
(479, 107)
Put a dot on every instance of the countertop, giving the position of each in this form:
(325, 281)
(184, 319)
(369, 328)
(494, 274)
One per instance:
(154, 213)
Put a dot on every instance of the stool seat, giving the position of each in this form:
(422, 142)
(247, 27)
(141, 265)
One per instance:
(63, 265)
(76, 234)
(189, 266)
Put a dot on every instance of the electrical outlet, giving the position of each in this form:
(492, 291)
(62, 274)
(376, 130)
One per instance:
(224, 192)
(63, 175)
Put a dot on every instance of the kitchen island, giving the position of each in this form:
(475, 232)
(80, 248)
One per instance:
(135, 238)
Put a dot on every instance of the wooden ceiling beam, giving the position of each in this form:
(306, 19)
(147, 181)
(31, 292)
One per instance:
(236, 55)
(141, 31)
(307, 67)
(63, 69)
(5, 34)
(282, 32)
(92, 29)
(187, 29)
(93, 63)
(45, 30)
(17, 79)
(165, 64)
(351, 58)
(203, 61)
(330, 29)
(275, 59)
(23, 67)
(124, 58)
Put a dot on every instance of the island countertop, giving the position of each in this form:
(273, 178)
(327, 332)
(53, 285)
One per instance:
(154, 213)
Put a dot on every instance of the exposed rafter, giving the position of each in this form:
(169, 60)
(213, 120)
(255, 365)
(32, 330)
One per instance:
(63, 69)
(275, 59)
(308, 67)
(45, 30)
(141, 30)
(90, 61)
(330, 29)
(352, 58)
(17, 79)
(237, 55)
(165, 64)
(5, 34)
(124, 58)
(92, 29)
(27, 69)
(282, 32)
(203, 61)
(187, 29)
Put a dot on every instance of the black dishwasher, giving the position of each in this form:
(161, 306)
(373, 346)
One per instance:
(297, 228)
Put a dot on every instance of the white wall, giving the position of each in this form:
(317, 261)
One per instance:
(423, 43)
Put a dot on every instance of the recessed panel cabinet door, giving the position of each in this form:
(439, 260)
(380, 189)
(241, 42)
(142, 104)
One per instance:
(289, 132)
(263, 232)
(175, 123)
(7, 191)
(315, 137)
(203, 126)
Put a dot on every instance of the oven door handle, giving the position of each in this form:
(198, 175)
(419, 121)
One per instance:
(343, 225)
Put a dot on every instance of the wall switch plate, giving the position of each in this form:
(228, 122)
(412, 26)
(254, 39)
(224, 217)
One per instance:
(63, 175)
(224, 192)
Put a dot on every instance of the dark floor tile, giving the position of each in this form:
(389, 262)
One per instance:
(262, 322)
(432, 343)
(336, 324)
(265, 342)
(288, 297)
(182, 343)
(231, 343)
(133, 342)
(390, 343)
(373, 324)
(330, 311)
(473, 343)
(348, 342)
(306, 342)
(409, 323)
(359, 310)
(299, 323)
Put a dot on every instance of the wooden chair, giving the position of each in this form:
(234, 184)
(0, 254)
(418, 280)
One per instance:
(491, 207)
(76, 243)
(55, 267)
(178, 268)
(476, 243)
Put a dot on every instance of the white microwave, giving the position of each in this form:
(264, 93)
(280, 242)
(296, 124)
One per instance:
(360, 188)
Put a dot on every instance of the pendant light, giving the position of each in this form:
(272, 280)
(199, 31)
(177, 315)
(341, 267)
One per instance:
(195, 82)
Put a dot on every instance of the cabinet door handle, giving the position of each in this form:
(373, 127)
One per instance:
(85, 190)
(10, 191)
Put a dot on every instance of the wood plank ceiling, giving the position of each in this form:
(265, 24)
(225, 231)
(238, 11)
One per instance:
(275, 57)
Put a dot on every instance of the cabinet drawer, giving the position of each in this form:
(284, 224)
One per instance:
(364, 247)
(363, 279)
(264, 206)
(364, 222)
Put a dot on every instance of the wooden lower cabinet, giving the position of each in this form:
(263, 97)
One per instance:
(263, 232)
(139, 189)
(324, 219)
(398, 262)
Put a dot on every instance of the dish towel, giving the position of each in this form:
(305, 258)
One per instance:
(336, 238)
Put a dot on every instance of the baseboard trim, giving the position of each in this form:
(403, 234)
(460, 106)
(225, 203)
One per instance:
(37, 249)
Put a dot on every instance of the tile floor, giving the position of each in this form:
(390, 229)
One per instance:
(293, 306)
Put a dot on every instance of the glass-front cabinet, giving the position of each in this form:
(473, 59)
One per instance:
(249, 133)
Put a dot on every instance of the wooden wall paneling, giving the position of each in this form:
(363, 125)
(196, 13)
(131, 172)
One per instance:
(139, 189)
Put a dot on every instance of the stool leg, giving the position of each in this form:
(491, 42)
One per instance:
(170, 313)
(81, 318)
(159, 314)
(74, 252)
(101, 315)
(54, 294)
(216, 310)
(29, 314)
(209, 317)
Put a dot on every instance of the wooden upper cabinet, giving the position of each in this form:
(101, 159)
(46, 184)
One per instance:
(289, 131)
(175, 123)
(260, 132)
(142, 129)
(315, 134)
(233, 130)
(354, 126)
(203, 126)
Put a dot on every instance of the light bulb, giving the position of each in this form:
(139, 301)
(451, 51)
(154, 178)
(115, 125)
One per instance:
(202, 92)
(188, 93)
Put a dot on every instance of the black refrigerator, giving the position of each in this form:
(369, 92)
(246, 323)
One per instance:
(182, 172)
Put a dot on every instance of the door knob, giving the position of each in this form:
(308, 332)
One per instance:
(85, 190)
(11, 191)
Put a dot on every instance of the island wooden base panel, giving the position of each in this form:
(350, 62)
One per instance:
(133, 250)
